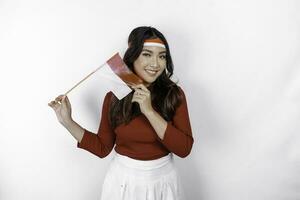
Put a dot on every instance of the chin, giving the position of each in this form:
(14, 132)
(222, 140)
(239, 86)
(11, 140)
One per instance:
(149, 80)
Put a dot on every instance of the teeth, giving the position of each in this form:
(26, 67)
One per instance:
(151, 71)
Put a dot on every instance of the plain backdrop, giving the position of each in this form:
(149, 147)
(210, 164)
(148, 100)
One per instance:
(238, 62)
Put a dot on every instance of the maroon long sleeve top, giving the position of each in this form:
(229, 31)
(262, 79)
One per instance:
(138, 139)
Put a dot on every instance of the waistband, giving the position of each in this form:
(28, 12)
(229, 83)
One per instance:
(143, 164)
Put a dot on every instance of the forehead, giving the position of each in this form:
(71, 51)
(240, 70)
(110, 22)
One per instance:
(154, 49)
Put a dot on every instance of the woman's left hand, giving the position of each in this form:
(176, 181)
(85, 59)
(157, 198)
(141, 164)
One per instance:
(143, 97)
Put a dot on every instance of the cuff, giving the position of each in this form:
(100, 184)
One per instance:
(167, 136)
(83, 140)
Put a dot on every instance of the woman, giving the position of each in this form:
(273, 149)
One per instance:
(146, 127)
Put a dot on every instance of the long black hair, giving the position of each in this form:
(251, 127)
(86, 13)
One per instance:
(165, 94)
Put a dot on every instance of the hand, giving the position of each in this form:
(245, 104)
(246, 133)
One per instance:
(62, 107)
(143, 97)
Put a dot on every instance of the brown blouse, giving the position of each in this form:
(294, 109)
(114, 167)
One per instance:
(138, 139)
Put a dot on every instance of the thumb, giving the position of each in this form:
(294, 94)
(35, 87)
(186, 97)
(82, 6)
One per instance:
(65, 100)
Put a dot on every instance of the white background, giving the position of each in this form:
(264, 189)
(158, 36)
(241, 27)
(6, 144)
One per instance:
(238, 62)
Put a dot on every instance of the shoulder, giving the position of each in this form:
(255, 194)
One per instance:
(181, 95)
(109, 95)
(107, 98)
(179, 91)
(174, 88)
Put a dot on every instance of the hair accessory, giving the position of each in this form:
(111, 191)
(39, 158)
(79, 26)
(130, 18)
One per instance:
(154, 42)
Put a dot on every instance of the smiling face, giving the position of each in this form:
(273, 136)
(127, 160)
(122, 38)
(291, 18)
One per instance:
(150, 63)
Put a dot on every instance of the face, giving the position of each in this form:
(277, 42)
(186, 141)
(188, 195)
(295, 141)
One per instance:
(150, 63)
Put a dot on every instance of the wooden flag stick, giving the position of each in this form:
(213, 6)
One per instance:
(128, 83)
(84, 79)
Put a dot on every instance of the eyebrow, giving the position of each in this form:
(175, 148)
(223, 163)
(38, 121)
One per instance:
(152, 51)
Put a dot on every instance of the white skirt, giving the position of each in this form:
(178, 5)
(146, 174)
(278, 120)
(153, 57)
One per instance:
(131, 179)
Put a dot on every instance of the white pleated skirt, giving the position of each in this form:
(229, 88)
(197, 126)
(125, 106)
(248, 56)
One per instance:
(131, 179)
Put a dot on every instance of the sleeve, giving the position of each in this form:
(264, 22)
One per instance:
(102, 143)
(178, 135)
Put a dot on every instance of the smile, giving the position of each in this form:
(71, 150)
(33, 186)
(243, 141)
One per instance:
(151, 72)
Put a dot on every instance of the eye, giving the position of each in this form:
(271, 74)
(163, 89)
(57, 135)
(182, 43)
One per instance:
(146, 54)
(163, 57)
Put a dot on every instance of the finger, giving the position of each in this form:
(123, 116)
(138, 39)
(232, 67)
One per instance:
(136, 99)
(138, 95)
(141, 92)
(51, 104)
(59, 98)
(66, 103)
(54, 105)
(142, 87)
(65, 99)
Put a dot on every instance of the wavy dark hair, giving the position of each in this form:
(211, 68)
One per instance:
(165, 94)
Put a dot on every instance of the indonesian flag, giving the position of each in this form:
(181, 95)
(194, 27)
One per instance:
(120, 75)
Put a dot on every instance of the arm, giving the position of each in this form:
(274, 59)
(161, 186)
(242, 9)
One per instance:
(175, 135)
(102, 143)
(75, 129)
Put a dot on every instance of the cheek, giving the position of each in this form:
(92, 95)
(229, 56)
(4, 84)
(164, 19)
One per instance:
(139, 65)
(162, 71)
(163, 63)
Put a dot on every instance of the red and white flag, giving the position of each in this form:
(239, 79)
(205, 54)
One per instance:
(120, 76)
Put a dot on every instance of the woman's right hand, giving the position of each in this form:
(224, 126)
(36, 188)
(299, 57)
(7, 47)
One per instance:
(62, 107)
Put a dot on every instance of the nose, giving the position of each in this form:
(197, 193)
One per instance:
(154, 62)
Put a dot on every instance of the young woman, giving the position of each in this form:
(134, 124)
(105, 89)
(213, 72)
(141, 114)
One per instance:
(146, 127)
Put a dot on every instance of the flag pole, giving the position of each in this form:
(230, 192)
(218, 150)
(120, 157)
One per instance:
(128, 83)
(84, 79)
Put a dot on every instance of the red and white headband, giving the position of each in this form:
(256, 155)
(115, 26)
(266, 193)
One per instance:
(154, 42)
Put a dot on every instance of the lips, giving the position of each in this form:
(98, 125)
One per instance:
(151, 72)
